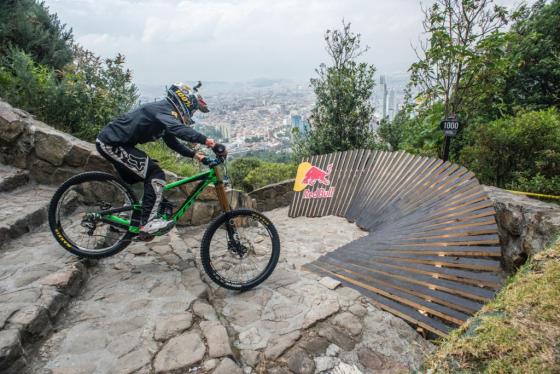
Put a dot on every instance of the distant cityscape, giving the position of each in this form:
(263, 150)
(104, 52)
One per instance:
(261, 115)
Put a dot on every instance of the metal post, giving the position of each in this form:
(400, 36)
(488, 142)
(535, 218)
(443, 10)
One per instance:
(446, 143)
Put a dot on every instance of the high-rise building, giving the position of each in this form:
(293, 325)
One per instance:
(300, 123)
(391, 105)
(383, 95)
(224, 130)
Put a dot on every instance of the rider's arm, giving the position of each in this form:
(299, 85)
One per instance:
(176, 128)
(177, 146)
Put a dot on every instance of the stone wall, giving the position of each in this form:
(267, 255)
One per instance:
(52, 156)
(274, 195)
(526, 226)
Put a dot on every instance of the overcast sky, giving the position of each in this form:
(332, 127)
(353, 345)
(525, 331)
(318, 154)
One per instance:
(235, 40)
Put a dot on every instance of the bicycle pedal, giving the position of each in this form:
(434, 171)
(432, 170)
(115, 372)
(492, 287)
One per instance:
(143, 237)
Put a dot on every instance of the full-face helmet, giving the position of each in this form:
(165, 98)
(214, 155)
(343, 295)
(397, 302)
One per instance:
(186, 101)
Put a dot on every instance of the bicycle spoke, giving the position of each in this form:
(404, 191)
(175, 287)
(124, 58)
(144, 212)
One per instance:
(78, 219)
(255, 246)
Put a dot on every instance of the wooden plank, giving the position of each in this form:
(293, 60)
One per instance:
(455, 302)
(399, 296)
(407, 310)
(445, 261)
(488, 279)
(464, 290)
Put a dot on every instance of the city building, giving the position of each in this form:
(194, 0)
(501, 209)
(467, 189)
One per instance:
(299, 123)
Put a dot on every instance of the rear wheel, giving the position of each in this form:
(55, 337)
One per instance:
(77, 209)
(240, 249)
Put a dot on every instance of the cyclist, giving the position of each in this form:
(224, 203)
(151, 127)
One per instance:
(168, 119)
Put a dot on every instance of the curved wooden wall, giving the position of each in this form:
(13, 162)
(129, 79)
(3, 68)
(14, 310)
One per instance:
(432, 253)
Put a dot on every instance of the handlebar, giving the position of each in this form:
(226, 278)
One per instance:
(197, 86)
(221, 155)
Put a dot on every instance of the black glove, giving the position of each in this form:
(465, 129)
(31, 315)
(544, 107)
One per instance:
(206, 161)
(220, 150)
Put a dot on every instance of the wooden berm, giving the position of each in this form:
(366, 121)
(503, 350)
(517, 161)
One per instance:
(432, 254)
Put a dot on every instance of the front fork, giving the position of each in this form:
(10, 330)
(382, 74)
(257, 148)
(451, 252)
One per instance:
(234, 243)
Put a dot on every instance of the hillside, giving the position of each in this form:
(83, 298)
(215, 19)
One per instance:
(519, 332)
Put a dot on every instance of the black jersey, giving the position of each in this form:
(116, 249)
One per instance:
(150, 122)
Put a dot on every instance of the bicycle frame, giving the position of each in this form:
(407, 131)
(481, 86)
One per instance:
(211, 176)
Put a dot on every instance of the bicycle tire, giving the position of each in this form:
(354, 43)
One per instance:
(58, 232)
(207, 239)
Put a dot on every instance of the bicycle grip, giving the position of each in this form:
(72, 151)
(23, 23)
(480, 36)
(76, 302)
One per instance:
(219, 150)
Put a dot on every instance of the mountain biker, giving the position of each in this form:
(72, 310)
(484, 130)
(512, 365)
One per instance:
(168, 119)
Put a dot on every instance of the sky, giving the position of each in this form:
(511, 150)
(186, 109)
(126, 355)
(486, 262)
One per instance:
(239, 40)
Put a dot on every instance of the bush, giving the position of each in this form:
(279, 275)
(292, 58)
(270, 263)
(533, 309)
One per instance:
(521, 151)
(171, 160)
(80, 99)
(269, 173)
(250, 173)
(421, 134)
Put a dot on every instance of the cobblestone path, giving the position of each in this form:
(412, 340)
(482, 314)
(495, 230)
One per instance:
(150, 309)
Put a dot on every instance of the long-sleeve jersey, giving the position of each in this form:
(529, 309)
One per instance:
(150, 122)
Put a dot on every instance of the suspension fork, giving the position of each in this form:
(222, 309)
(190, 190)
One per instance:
(222, 198)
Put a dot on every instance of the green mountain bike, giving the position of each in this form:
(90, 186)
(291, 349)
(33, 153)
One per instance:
(96, 215)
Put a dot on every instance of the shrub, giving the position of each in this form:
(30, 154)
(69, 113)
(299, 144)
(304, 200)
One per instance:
(80, 99)
(250, 173)
(269, 173)
(521, 151)
(171, 160)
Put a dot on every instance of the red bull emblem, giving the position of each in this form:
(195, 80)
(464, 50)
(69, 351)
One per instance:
(310, 176)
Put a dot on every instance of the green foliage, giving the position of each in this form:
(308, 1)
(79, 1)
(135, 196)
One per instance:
(516, 332)
(268, 173)
(250, 173)
(392, 132)
(343, 113)
(282, 157)
(535, 56)
(27, 25)
(171, 160)
(451, 56)
(80, 99)
(517, 151)
(421, 134)
(530, 182)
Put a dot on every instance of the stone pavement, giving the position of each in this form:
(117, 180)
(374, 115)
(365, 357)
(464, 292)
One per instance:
(295, 322)
(150, 310)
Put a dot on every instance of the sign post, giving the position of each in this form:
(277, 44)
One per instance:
(450, 126)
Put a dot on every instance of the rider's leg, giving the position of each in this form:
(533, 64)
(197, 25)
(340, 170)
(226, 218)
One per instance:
(130, 163)
(134, 165)
(153, 195)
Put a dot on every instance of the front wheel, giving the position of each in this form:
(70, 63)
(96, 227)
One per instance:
(240, 249)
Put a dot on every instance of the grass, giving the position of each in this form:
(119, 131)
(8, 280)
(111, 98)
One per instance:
(518, 332)
(171, 160)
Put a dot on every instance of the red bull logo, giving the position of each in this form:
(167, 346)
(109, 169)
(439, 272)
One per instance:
(309, 176)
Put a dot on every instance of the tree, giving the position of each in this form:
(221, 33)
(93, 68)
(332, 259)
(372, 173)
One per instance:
(450, 57)
(343, 113)
(28, 26)
(391, 132)
(535, 56)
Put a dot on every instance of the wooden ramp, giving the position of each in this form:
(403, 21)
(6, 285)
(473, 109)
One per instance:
(432, 255)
